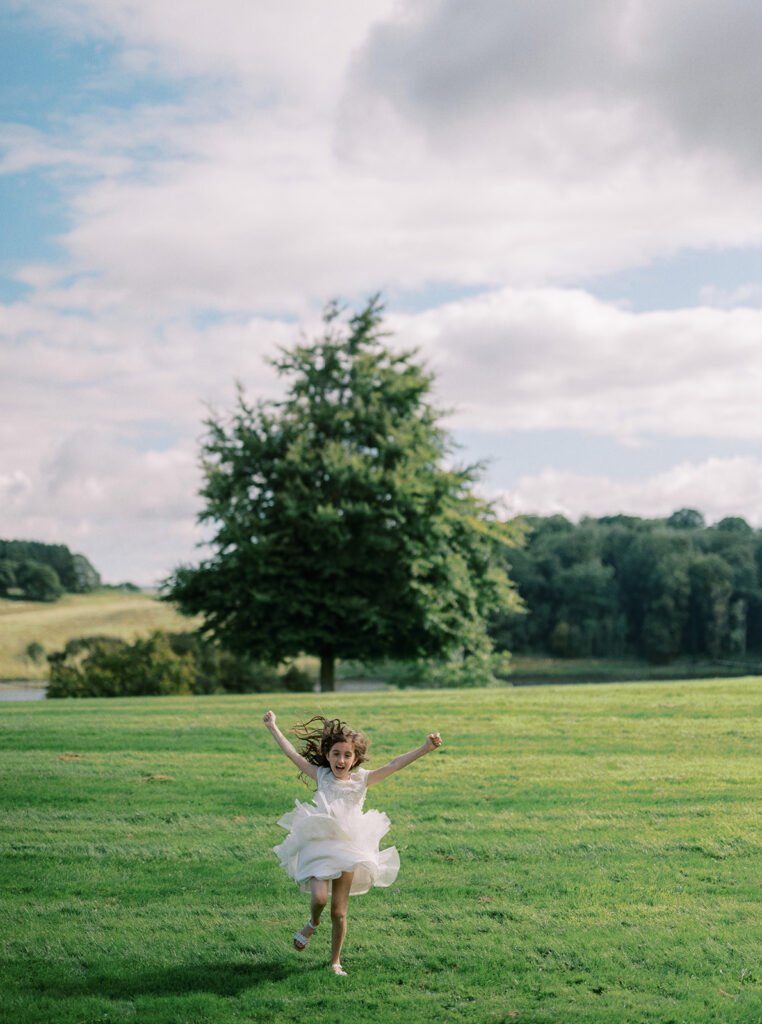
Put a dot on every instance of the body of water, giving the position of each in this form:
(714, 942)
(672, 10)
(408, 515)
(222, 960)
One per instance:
(22, 690)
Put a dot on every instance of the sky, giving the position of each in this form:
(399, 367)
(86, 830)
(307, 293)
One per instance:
(561, 204)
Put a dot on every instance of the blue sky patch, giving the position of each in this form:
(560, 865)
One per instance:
(687, 279)
(430, 296)
(32, 216)
(156, 435)
(47, 77)
(519, 453)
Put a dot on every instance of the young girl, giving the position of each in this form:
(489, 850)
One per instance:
(332, 846)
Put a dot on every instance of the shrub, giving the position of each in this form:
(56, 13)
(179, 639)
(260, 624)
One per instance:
(35, 652)
(104, 667)
(219, 670)
(162, 663)
(297, 680)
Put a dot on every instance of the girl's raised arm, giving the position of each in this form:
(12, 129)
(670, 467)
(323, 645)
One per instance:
(433, 740)
(301, 762)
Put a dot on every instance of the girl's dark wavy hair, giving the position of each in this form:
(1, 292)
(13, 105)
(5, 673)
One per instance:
(319, 734)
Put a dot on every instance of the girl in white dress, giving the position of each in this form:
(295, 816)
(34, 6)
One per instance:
(332, 847)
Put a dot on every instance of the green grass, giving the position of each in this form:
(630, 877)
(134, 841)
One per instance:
(107, 613)
(572, 854)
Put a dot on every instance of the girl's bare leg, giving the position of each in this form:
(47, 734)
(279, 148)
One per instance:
(318, 900)
(339, 907)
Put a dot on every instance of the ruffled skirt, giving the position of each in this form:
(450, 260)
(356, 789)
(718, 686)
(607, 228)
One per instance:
(324, 840)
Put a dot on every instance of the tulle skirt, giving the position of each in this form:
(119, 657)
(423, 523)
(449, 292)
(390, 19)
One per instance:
(326, 839)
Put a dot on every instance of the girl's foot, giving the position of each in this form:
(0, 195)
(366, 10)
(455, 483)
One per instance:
(338, 969)
(303, 937)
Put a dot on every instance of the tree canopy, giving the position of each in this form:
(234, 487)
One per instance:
(339, 530)
(657, 588)
(43, 572)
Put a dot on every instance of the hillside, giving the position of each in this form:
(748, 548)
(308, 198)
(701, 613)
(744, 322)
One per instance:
(104, 613)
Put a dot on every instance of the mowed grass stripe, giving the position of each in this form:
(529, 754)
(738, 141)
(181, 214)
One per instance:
(586, 854)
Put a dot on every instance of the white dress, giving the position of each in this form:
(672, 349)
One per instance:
(333, 835)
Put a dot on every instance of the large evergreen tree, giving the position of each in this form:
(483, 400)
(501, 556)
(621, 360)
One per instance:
(338, 529)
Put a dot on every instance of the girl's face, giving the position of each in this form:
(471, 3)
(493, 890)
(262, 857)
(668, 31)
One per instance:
(341, 757)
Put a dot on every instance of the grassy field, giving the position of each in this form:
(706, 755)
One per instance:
(572, 854)
(533, 668)
(109, 613)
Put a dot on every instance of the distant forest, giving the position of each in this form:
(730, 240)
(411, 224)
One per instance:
(653, 588)
(35, 571)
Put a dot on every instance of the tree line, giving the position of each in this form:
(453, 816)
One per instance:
(35, 571)
(654, 588)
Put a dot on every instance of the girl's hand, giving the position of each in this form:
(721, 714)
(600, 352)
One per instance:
(433, 740)
(269, 720)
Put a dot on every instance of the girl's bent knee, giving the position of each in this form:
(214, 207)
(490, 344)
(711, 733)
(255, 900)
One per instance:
(319, 892)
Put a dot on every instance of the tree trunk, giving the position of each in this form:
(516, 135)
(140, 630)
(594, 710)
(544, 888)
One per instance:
(327, 671)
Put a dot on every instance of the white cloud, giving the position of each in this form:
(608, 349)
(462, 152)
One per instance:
(118, 370)
(687, 72)
(295, 48)
(100, 427)
(132, 513)
(280, 225)
(14, 488)
(427, 149)
(24, 149)
(716, 487)
(749, 294)
(561, 359)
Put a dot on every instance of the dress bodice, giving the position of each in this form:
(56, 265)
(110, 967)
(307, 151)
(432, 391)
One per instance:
(351, 792)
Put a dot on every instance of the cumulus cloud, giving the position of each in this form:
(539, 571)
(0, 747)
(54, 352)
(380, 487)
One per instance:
(14, 488)
(268, 50)
(23, 149)
(475, 145)
(100, 428)
(717, 487)
(243, 225)
(688, 72)
(104, 368)
(561, 359)
(133, 513)
(749, 294)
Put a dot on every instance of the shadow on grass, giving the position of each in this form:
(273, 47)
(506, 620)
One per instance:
(223, 979)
